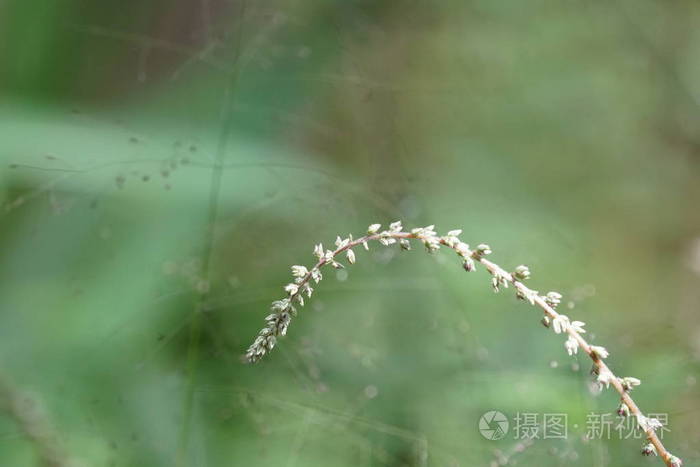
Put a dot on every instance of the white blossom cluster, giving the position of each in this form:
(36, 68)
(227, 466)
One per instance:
(283, 310)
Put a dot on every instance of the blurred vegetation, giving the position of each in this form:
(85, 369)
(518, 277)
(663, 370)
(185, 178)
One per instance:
(164, 163)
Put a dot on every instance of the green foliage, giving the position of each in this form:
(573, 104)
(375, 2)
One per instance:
(563, 134)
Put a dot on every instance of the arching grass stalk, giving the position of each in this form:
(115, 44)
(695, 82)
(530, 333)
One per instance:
(283, 310)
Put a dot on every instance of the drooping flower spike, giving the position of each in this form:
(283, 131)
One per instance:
(284, 310)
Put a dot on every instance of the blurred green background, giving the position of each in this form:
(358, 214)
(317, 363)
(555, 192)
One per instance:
(165, 163)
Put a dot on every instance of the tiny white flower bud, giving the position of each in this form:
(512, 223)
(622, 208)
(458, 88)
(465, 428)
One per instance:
(483, 249)
(601, 352)
(469, 265)
(571, 345)
(531, 296)
(374, 228)
(308, 289)
(351, 256)
(578, 326)
(623, 410)
(629, 382)
(432, 243)
(280, 305)
(648, 449)
(522, 272)
(605, 377)
(560, 323)
(654, 424)
(341, 242)
(299, 271)
(552, 299)
(462, 249)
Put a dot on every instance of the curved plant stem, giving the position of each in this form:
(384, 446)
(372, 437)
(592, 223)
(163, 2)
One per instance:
(598, 362)
(283, 310)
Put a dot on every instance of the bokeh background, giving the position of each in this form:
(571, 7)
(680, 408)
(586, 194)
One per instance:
(164, 163)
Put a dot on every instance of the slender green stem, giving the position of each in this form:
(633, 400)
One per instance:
(208, 249)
